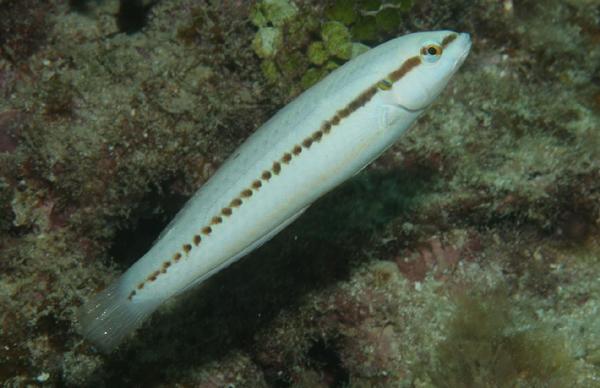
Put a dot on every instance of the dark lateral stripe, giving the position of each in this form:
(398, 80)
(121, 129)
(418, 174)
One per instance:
(406, 67)
(342, 114)
(368, 94)
(449, 39)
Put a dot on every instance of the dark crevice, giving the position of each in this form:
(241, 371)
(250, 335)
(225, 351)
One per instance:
(81, 6)
(327, 361)
(133, 15)
(153, 214)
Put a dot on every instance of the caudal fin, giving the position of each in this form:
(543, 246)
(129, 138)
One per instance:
(110, 316)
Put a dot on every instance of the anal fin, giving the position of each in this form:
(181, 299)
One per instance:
(255, 245)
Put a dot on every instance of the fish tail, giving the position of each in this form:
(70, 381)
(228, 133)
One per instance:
(109, 316)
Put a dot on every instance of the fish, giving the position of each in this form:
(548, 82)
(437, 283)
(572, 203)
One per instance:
(325, 136)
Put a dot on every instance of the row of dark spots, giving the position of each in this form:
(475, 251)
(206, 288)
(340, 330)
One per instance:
(155, 275)
(235, 203)
(266, 175)
(207, 230)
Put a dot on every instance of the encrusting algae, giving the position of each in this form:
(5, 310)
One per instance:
(476, 236)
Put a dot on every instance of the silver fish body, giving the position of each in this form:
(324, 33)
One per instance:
(322, 138)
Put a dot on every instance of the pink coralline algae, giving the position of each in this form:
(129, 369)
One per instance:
(437, 256)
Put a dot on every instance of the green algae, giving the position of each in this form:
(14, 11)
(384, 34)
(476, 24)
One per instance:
(388, 20)
(267, 42)
(365, 29)
(343, 28)
(317, 53)
(489, 343)
(343, 11)
(273, 12)
(281, 32)
(370, 19)
(336, 39)
(312, 76)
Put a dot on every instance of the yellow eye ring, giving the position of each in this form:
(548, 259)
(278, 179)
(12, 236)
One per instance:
(431, 52)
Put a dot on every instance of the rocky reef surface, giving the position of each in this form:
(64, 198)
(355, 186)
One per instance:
(466, 256)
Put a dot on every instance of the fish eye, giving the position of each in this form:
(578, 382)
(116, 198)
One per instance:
(431, 52)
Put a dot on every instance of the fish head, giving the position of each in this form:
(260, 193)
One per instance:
(429, 60)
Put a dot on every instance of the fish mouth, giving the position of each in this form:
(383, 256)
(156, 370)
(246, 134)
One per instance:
(464, 40)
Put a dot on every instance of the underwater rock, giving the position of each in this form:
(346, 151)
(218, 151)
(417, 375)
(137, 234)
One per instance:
(480, 225)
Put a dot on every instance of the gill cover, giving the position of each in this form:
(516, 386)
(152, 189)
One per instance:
(430, 64)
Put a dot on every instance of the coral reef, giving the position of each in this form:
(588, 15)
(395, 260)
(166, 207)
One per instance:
(466, 256)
